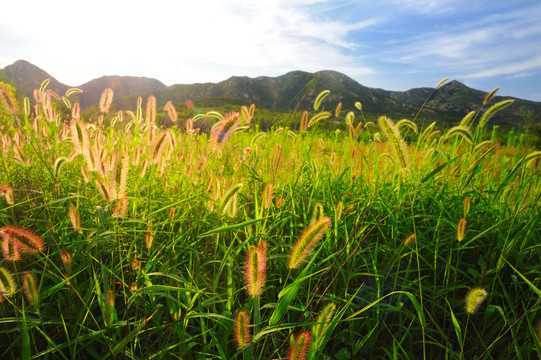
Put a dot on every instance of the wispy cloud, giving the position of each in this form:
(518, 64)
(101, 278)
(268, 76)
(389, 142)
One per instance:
(395, 43)
(487, 42)
(516, 69)
(428, 6)
(257, 37)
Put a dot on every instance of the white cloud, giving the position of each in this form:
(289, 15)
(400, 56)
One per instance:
(488, 46)
(428, 6)
(515, 68)
(179, 40)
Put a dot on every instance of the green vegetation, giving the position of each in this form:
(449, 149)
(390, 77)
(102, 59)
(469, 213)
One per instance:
(139, 235)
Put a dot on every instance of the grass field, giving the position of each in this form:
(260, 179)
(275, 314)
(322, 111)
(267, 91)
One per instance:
(122, 238)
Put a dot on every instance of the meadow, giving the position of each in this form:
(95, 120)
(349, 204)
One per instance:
(125, 238)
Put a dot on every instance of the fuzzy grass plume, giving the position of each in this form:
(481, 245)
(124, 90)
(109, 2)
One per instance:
(7, 193)
(324, 318)
(30, 288)
(20, 240)
(106, 100)
(299, 349)
(8, 101)
(410, 239)
(317, 213)
(474, 299)
(171, 111)
(75, 218)
(255, 267)
(8, 286)
(241, 329)
(322, 95)
(398, 146)
(268, 192)
(493, 110)
(228, 205)
(460, 229)
(307, 241)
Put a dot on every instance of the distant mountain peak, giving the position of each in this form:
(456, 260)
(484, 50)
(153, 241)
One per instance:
(293, 91)
(455, 84)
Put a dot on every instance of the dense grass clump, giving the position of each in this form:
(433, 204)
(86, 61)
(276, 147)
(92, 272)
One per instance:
(123, 238)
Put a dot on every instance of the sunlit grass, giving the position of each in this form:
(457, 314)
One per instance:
(233, 243)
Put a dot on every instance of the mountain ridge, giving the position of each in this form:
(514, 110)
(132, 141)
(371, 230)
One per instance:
(293, 91)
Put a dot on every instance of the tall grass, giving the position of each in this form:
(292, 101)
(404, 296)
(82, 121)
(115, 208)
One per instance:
(173, 243)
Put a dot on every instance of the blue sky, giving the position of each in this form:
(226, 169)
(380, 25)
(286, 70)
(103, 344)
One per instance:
(389, 44)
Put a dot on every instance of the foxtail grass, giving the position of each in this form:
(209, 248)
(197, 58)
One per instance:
(23, 239)
(8, 286)
(8, 100)
(171, 111)
(7, 193)
(106, 100)
(241, 329)
(460, 229)
(319, 99)
(474, 299)
(255, 267)
(268, 192)
(398, 146)
(299, 349)
(30, 288)
(307, 241)
(323, 320)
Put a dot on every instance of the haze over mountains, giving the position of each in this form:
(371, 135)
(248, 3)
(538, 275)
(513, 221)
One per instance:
(294, 91)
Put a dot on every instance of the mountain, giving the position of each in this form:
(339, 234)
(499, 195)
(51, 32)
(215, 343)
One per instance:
(456, 99)
(28, 77)
(123, 86)
(294, 91)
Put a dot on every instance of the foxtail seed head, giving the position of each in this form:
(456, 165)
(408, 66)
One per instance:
(398, 146)
(75, 219)
(410, 239)
(8, 100)
(150, 117)
(229, 200)
(299, 349)
(7, 193)
(494, 109)
(67, 258)
(490, 95)
(23, 239)
(322, 95)
(339, 209)
(304, 121)
(460, 229)
(149, 237)
(268, 191)
(317, 213)
(8, 287)
(106, 100)
(171, 111)
(11, 251)
(307, 241)
(121, 207)
(323, 320)
(474, 299)
(255, 267)
(241, 329)
(30, 288)
(466, 206)
(338, 110)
